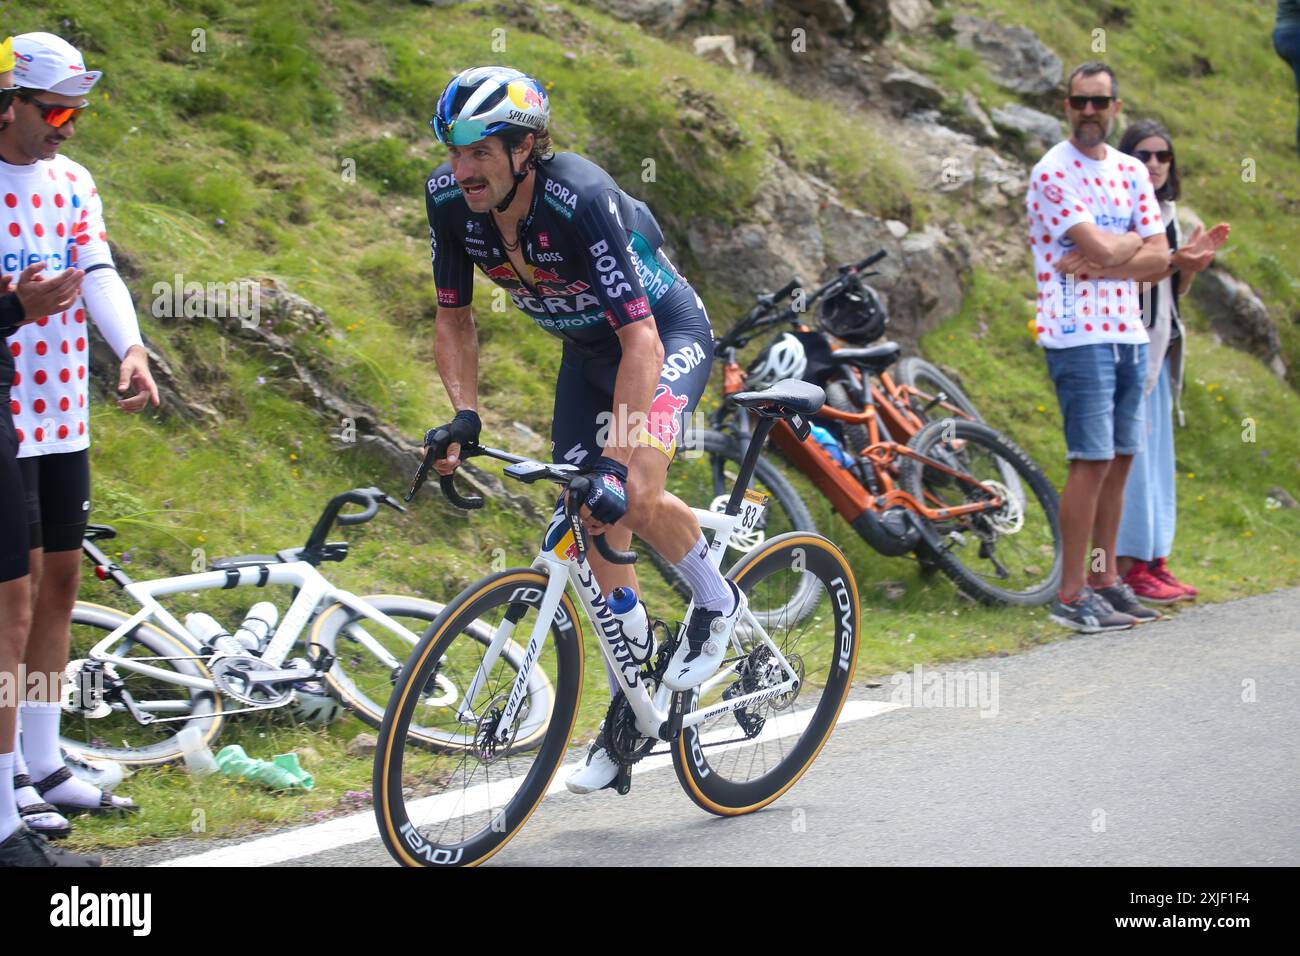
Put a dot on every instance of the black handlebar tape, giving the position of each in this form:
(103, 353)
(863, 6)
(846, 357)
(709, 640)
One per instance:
(448, 485)
(612, 554)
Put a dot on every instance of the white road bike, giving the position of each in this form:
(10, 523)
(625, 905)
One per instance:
(738, 741)
(135, 681)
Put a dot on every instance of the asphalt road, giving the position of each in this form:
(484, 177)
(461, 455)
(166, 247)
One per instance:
(1174, 744)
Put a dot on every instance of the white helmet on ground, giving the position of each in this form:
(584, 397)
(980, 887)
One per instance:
(784, 358)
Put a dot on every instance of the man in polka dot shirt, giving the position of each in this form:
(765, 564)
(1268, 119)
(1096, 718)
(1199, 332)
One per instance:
(50, 213)
(1094, 225)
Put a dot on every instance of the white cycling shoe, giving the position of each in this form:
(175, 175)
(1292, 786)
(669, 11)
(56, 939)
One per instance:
(597, 769)
(705, 645)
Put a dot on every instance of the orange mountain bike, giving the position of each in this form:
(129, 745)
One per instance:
(907, 462)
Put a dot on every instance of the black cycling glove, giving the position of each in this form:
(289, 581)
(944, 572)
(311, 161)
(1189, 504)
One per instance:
(463, 430)
(607, 498)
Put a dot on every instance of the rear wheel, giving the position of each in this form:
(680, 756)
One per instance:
(1011, 555)
(952, 402)
(742, 760)
(118, 734)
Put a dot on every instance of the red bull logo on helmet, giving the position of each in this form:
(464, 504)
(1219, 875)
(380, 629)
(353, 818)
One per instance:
(525, 96)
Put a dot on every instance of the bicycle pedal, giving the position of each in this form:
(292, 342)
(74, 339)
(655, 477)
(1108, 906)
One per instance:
(623, 782)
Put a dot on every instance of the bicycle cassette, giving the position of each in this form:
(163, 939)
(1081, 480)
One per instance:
(252, 681)
(83, 688)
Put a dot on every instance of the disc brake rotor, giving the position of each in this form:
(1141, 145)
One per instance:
(1010, 518)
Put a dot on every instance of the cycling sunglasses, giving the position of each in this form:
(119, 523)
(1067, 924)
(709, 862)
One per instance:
(7, 95)
(55, 116)
(1163, 156)
(1099, 103)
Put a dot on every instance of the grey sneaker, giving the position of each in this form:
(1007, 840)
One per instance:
(1121, 597)
(1089, 613)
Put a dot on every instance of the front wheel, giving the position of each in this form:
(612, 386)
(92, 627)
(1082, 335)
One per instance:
(368, 661)
(1011, 555)
(741, 760)
(459, 808)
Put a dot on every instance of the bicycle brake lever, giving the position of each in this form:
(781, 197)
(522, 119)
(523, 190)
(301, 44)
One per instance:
(421, 474)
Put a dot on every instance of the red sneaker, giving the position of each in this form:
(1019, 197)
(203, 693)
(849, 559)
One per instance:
(1150, 588)
(1160, 571)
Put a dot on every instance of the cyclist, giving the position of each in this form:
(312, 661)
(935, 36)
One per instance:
(20, 303)
(583, 260)
(52, 213)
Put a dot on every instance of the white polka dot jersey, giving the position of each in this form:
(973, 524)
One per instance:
(1067, 188)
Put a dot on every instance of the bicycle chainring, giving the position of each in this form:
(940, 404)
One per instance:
(625, 743)
(236, 677)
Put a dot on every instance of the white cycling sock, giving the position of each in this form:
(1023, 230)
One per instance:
(41, 751)
(9, 818)
(708, 586)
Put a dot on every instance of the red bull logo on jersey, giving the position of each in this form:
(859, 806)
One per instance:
(502, 273)
(547, 276)
(664, 420)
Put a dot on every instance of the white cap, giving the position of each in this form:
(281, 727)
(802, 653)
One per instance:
(43, 61)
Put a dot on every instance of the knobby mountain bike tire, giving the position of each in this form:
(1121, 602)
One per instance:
(1022, 539)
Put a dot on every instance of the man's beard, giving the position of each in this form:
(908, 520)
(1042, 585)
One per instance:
(1091, 133)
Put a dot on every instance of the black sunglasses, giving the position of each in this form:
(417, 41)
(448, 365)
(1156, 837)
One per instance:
(7, 95)
(1163, 156)
(1099, 103)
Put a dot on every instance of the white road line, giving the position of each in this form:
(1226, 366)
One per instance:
(360, 827)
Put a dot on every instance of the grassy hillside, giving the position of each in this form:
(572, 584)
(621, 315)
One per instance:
(236, 160)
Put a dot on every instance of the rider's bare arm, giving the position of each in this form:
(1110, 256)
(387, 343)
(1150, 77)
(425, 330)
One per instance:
(455, 350)
(634, 386)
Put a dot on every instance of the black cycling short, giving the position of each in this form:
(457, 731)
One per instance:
(584, 392)
(13, 510)
(58, 499)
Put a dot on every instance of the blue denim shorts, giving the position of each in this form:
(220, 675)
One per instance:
(1099, 389)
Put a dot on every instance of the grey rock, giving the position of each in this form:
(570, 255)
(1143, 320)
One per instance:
(1239, 317)
(983, 126)
(1039, 131)
(832, 15)
(668, 14)
(909, 16)
(716, 49)
(910, 91)
(363, 745)
(1015, 57)
(1283, 497)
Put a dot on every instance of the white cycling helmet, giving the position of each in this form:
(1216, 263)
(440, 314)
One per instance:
(484, 100)
(784, 358)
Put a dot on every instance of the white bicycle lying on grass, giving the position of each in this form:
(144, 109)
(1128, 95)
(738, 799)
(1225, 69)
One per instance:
(136, 681)
(738, 741)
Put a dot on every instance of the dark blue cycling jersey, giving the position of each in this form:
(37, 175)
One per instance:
(592, 253)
